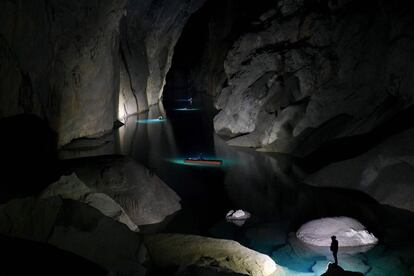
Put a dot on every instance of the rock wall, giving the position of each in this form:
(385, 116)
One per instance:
(82, 65)
(61, 63)
(384, 172)
(316, 70)
(150, 31)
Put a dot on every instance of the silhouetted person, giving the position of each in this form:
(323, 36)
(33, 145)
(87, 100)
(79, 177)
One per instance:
(334, 248)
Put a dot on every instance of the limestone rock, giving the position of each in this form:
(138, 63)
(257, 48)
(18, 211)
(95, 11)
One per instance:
(299, 70)
(384, 172)
(145, 198)
(70, 187)
(76, 227)
(80, 65)
(148, 36)
(186, 250)
(339, 271)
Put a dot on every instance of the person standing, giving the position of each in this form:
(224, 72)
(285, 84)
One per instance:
(334, 248)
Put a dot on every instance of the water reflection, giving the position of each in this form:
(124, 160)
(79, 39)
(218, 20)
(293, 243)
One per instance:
(262, 184)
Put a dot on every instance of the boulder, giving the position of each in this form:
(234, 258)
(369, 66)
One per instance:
(144, 197)
(70, 187)
(334, 270)
(186, 250)
(76, 227)
(384, 172)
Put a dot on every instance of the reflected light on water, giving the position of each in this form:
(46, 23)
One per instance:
(180, 161)
(186, 109)
(150, 121)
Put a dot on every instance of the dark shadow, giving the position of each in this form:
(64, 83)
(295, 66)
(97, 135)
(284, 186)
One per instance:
(28, 156)
(24, 257)
(352, 146)
(336, 270)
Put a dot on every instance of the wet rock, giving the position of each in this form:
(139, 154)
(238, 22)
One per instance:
(224, 254)
(384, 172)
(338, 271)
(145, 198)
(349, 264)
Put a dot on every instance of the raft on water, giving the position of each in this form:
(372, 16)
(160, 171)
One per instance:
(199, 161)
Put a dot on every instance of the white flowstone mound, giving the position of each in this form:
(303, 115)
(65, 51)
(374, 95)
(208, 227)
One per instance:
(348, 232)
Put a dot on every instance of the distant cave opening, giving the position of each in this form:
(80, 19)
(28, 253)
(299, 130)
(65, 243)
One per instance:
(198, 62)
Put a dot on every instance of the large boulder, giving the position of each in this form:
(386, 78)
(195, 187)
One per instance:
(70, 187)
(311, 73)
(384, 172)
(186, 250)
(76, 227)
(144, 197)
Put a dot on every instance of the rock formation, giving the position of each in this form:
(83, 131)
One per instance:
(78, 228)
(201, 251)
(70, 187)
(384, 172)
(82, 65)
(144, 197)
(314, 71)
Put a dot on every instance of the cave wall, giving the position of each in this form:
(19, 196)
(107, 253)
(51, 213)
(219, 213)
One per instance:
(310, 71)
(149, 34)
(59, 60)
(80, 65)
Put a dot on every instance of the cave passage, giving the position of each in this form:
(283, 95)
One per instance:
(207, 137)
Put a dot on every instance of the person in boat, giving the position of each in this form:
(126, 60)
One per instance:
(334, 248)
(200, 156)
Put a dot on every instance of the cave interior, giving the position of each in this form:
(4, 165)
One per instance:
(207, 137)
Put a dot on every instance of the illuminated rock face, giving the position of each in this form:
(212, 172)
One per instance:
(149, 33)
(186, 250)
(348, 232)
(78, 66)
(62, 63)
(303, 73)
